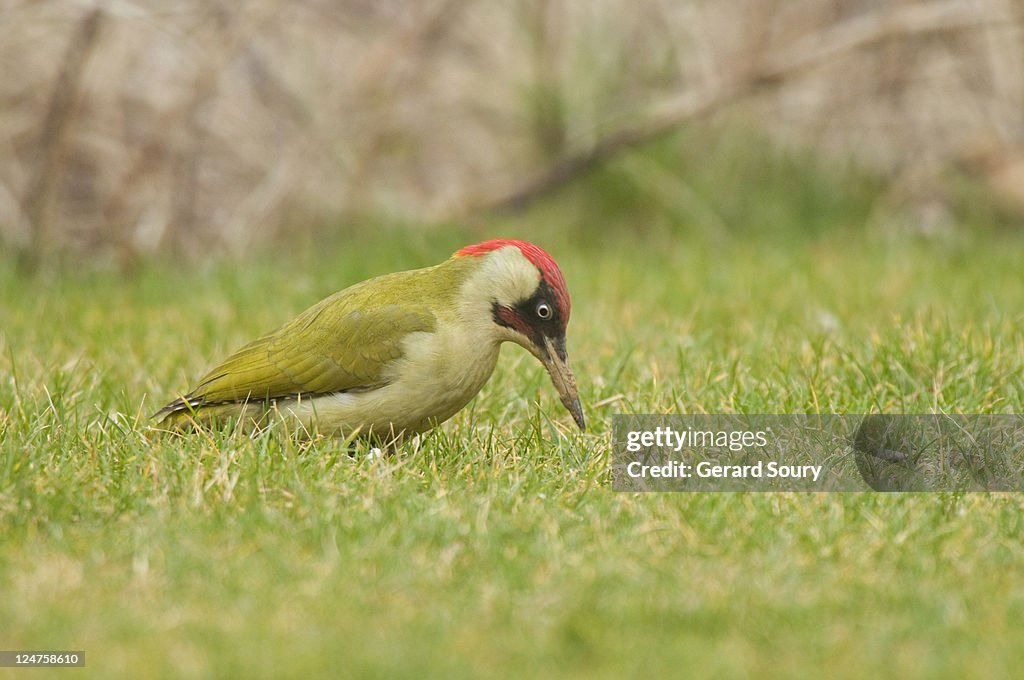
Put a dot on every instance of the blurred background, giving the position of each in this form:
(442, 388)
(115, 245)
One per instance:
(131, 129)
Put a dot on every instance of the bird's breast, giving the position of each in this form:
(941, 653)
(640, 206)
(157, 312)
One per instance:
(445, 370)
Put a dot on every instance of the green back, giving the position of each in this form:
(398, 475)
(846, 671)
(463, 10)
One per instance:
(342, 343)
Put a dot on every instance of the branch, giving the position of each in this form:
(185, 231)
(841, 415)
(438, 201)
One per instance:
(59, 115)
(806, 55)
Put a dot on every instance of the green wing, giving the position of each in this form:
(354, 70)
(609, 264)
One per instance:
(344, 343)
(324, 350)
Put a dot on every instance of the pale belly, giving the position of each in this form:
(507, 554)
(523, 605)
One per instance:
(432, 383)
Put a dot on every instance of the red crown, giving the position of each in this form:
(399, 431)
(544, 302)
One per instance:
(538, 257)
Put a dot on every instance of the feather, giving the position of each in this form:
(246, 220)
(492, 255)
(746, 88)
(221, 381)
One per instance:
(344, 343)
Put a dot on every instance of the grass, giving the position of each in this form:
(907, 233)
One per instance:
(495, 546)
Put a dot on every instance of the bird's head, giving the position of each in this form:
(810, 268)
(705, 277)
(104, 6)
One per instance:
(528, 303)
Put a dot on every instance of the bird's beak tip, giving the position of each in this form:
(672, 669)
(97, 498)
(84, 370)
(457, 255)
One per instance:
(576, 409)
(565, 383)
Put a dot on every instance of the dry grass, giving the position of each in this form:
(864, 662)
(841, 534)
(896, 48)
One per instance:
(207, 125)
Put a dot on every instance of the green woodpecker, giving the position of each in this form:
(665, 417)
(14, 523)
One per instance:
(397, 354)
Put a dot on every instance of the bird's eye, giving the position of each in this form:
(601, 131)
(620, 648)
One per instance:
(544, 311)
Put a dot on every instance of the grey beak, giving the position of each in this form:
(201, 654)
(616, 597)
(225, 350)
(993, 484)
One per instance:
(555, 360)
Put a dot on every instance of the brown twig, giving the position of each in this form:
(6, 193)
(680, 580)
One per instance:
(53, 135)
(806, 55)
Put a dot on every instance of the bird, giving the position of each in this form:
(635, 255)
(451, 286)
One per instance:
(398, 354)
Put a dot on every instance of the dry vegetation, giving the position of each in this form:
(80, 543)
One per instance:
(134, 127)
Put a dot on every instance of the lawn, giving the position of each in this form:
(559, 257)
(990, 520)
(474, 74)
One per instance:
(495, 545)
